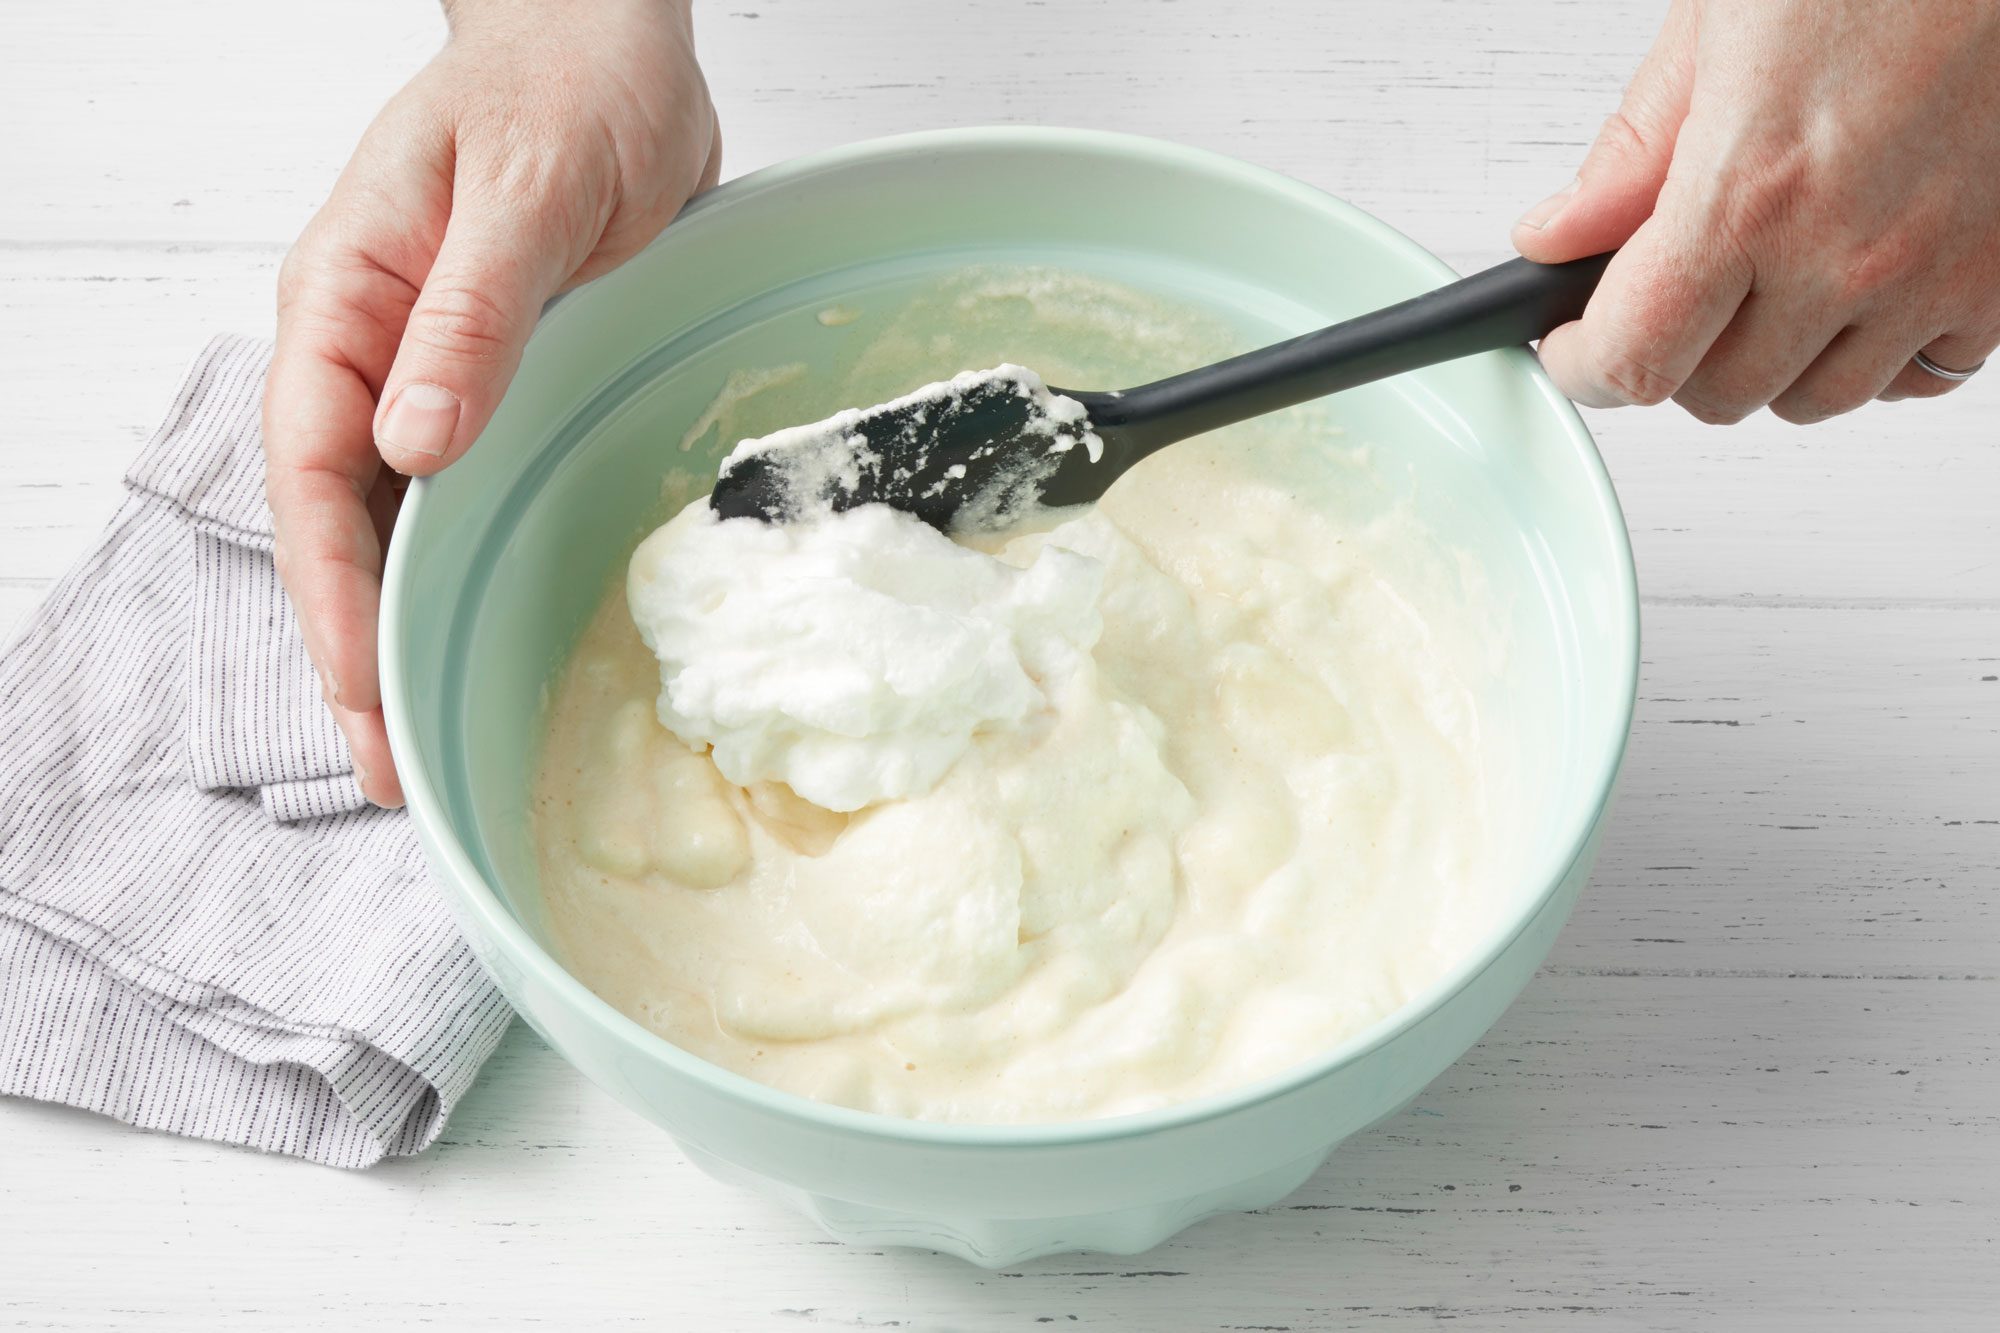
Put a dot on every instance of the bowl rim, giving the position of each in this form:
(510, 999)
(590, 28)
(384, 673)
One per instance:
(478, 898)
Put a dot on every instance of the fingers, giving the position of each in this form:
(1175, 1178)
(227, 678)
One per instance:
(1953, 352)
(464, 337)
(368, 740)
(1620, 179)
(320, 465)
(1662, 303)
(1854, 368)
(329, 510)
(338, 316)
(711, 170)
(1768, 345)
(1673, 288)
(318, 476)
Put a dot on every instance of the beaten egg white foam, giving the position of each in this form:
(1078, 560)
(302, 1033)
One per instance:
(1167, 797)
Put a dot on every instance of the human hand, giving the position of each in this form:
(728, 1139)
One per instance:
(1807, 193)
(546, 143)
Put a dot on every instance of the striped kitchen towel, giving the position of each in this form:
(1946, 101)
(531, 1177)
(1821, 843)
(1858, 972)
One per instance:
(204, 928)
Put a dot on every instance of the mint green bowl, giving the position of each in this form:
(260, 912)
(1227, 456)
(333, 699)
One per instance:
(497, 563)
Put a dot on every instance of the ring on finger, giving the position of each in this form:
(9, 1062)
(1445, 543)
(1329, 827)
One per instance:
(1924, 363)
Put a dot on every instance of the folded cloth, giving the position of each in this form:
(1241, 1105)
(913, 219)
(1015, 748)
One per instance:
(204, 928)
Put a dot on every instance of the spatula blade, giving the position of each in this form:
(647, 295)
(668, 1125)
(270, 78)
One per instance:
(971, 452)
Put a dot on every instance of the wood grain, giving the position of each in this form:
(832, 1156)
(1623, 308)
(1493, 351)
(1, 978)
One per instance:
(1648, 1152)
(1753, 1088)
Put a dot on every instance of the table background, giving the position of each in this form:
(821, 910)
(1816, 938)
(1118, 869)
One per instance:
(1756, 1084)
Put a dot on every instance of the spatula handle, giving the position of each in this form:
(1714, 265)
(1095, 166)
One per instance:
(1512, 303)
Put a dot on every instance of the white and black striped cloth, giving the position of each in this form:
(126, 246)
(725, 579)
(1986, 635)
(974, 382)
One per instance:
(203, 927)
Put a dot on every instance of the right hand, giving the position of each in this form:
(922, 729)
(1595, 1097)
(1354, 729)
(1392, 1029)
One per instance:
(544, 145)
(1806, 193)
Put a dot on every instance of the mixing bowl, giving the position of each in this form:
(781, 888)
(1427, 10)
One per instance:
(497, 563)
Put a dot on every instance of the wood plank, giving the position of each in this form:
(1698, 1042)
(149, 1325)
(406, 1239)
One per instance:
(1807, 791)
(1634, 1152)
(226, 122)
(1448, 138)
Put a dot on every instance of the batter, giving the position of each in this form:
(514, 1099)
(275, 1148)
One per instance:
(1150, 801)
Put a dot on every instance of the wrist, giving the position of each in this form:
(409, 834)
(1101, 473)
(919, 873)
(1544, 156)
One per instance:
(525, 15)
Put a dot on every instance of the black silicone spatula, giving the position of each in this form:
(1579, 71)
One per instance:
(977, 457)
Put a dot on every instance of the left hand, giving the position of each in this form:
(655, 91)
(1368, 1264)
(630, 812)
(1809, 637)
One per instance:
(545, 144)
(1807, 193)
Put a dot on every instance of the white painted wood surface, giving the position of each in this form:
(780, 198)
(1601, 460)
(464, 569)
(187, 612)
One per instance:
(1756, 1085)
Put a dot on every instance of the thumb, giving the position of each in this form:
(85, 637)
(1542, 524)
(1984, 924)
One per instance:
(1621, 176)
(462, 341)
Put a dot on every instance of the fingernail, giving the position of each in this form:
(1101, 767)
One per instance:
(329, 686)
(421, 420)
(1544, 213)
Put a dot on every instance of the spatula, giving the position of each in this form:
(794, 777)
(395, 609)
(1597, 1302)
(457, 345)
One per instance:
(983, 449)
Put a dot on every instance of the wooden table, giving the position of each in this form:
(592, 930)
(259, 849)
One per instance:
(1756, 1084)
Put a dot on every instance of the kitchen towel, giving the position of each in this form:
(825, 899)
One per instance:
(204, 928)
